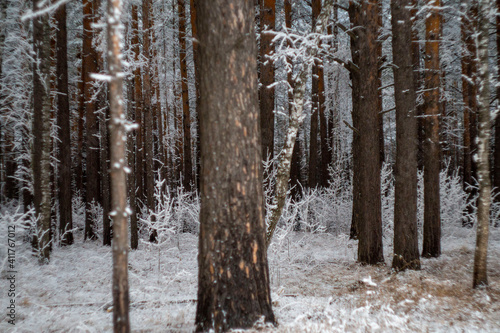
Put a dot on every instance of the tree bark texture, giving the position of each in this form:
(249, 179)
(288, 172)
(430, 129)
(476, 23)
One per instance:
(266, 94)
(92, 188)
(432, 150)
(233, 281)
(480, 277)
(41, 132)
(366, 152)
(63, 121)
(406, 253)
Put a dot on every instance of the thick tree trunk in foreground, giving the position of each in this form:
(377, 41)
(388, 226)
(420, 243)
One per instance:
(405, 207)
(496, 170)
(267, 22)
(119, 212)
(40, 162)
(480, 277)
(432, 214)
(366, 144)
(233, 280)
(63, 122)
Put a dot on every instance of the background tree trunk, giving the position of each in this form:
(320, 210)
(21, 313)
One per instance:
(405, 206)
(41, 132)
(367, 202)
(432, 151)
(63, 122)
(266, 94)
(233, 280)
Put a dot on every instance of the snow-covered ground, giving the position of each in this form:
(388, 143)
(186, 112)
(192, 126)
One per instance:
(317, 286)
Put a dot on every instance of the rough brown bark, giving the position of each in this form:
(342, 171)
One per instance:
(233, 282)
(148, 111)
(266, 66)
(480, 275)
(121, 323)
(63, 122)
(406, 254)
(92, 188)
(187, 180)
(469, 93)
(366, 152)
(40, 162)
(432, 214)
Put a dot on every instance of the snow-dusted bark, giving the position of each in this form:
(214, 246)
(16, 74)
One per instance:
(296, 117)
(41, 131)
(118, 139)
(484, 132)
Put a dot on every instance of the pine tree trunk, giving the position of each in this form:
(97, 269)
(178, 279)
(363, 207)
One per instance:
(366, 187)
(405, 207)
(432, 151)
(233, 283)
(188, 180)
(266, 66)
(41, 132)
(119, 212)
(105, 181)
(92, 188)
(496, 156)
(480, 277)
(197, 85)
(148, 111)
(63, 122)
(314, 176)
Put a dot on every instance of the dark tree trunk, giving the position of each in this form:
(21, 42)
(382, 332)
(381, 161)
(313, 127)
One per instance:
(105, 181)
(314, 177)
(92, 188)
(148, 112)
(41, 133)
(187, 180)
(121, 323)
(63, 122)
(417, 79)
(432, 154)
(366, 152)
(406, 254)
(233, 281)
(266, 94)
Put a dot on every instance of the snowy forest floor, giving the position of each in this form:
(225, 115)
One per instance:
(316, 284)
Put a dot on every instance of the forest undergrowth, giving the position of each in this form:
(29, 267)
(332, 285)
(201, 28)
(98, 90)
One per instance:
(316, 283)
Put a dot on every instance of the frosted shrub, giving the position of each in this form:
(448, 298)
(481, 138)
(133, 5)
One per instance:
(453, 199)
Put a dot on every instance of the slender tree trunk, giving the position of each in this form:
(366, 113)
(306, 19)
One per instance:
(417, 78)
(92, 142)
(80, 174)
(119, 212)
(432, 214)
(41, 132)
(197, 85)
(188, 180)
(63, 122)
(314, 176)
(496, 170)
(295, 168)
(105, 181)
(367, 202)
(480, 277)
(405, 207)
(148, 111)
(233, 283)
(266, 94)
